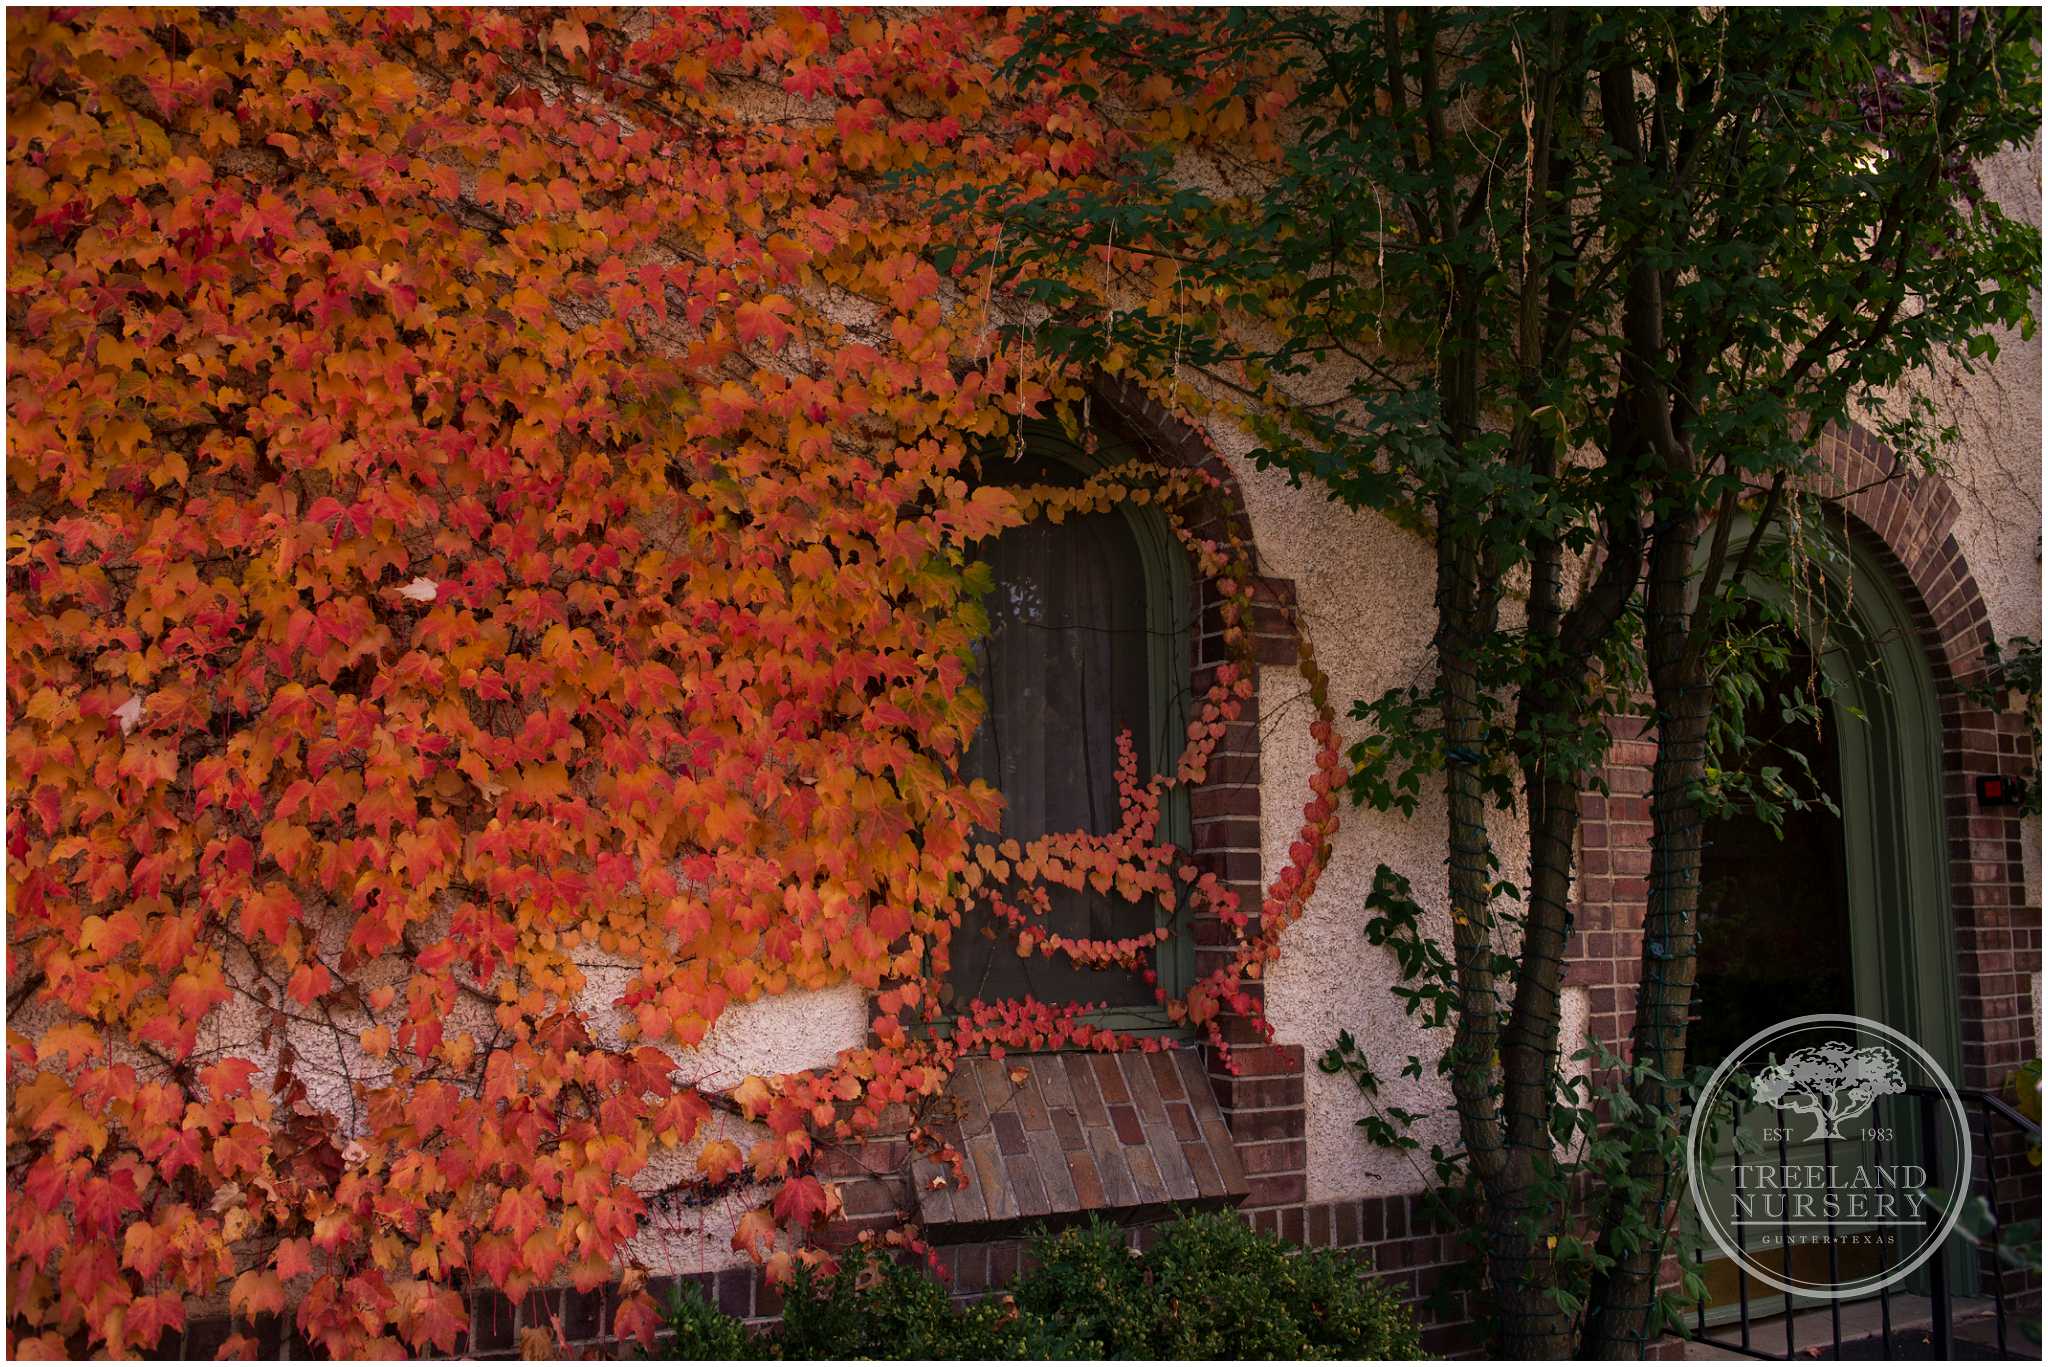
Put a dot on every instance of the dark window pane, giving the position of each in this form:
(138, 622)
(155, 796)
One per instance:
(1064, 671)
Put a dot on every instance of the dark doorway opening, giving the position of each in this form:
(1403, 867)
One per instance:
(1774, 932)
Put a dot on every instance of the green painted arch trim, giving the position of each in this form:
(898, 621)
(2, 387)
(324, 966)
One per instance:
(1904, 956)
(1888, 720)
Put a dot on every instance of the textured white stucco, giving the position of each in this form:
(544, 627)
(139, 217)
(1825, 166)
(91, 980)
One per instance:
(1365, 591)
(1996, 462)
(786, 1033)
(782, 1034)
(679, 1236)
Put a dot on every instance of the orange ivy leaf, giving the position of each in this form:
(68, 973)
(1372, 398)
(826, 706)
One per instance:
(257, 1293)
(520, 1212)
(801, 1202)
(637, 1318)
(718, 1160)
(294, 1258)
(309, 983)
(755, 1233)
(753, 1096)
(765, 320)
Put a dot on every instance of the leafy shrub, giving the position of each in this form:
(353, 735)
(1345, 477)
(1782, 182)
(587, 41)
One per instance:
(705, 1333)
(882, 1309)
(1209, 1288)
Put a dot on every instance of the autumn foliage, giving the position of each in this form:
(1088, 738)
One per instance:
(493, 506)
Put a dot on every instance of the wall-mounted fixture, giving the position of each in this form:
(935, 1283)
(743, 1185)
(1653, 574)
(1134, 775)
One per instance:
(1996, 790)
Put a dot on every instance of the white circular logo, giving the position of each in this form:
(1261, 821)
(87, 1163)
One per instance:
(1829, 1156)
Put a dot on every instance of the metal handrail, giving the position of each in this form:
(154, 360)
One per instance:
(1996, 1102)
(1992, 1107)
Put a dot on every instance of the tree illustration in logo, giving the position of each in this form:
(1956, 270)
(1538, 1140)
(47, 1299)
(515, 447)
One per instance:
(1831, 1082)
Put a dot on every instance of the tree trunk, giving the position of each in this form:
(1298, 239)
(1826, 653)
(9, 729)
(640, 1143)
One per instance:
(1525, 1209)
(1637, 1212)
(1475, 1040)
(1518, 1257)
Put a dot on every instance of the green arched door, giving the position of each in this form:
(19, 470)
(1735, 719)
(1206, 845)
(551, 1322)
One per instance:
(1845, 911)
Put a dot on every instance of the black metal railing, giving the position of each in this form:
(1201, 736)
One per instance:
(1999, 1132)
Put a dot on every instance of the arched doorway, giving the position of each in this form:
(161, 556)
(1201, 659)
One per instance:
(1867, 883)
(1842, 911)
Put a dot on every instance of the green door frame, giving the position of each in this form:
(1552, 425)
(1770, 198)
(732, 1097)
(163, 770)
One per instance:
(1888, 724)
(1897, 843)
(1889, 747)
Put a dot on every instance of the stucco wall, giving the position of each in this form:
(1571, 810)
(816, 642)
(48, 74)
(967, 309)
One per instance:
(1365, 590)
(1995, 463)
(780, 1034)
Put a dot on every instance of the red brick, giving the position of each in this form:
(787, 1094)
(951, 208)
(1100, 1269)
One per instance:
(1286, 1155)
(1251, 1126)
(1010, 1133)
(1125, 1120)
(1110, 1079)
(867, 1197)
(1166, 1076)
(1276, 1190)
(1087, 1095)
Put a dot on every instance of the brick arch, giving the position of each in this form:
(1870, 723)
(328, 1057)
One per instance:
(1263, 1103)
(1906, 520)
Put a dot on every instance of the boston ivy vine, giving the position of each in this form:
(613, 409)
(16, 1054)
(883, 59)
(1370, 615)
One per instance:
(494, 499)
